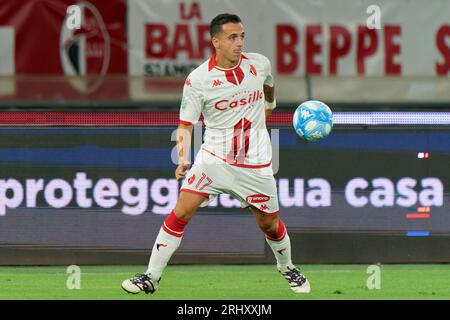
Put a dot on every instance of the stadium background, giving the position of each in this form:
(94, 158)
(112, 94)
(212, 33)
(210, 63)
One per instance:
(99, 106)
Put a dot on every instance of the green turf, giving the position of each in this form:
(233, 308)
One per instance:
(251, 282)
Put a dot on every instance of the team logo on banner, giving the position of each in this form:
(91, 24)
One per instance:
(85, 52)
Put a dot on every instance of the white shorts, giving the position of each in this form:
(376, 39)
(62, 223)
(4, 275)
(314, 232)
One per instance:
(210, 176)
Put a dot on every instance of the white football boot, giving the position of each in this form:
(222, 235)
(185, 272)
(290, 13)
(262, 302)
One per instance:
(297, 280)
(140, 282)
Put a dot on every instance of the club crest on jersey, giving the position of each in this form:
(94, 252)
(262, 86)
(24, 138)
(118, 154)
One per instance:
(191, 179)
(252, 70)
(188, 83)
(257, 198)
(217, 83)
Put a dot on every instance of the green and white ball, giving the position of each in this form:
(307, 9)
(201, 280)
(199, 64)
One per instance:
(313, 120)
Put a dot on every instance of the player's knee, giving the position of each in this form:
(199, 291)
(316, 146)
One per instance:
(269, 226)
(187, 205)
(183, 212)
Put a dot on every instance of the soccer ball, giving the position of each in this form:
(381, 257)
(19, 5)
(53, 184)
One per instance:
(313, 120)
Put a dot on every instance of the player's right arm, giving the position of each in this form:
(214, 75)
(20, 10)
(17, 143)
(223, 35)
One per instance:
(190, 111)
(184, 134)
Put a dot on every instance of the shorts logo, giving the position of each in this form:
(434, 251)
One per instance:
(252, 70)
(257, 198)
(191, 179)
(264, 207)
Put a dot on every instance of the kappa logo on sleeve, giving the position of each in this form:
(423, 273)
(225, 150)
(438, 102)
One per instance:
(217, 83)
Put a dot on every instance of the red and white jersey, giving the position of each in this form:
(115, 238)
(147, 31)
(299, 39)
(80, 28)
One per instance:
(232, 104)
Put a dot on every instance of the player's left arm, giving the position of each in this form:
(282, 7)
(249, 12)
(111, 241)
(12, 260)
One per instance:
(270, 103)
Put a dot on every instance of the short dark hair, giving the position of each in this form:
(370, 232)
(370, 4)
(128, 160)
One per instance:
(216, 24)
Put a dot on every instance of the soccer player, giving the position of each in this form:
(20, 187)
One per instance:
(235, 93)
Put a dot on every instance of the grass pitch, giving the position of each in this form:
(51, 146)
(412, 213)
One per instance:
(234, 282)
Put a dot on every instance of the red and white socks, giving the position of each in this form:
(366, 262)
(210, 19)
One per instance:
(281, 246)
(171, 234)
(167, 242)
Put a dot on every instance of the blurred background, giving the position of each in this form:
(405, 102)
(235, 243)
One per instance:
(89, 100)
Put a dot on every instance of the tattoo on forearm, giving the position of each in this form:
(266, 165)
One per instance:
(269, 93)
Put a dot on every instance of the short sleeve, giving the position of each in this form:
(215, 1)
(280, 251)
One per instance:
(268, 72)
(191, 103)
